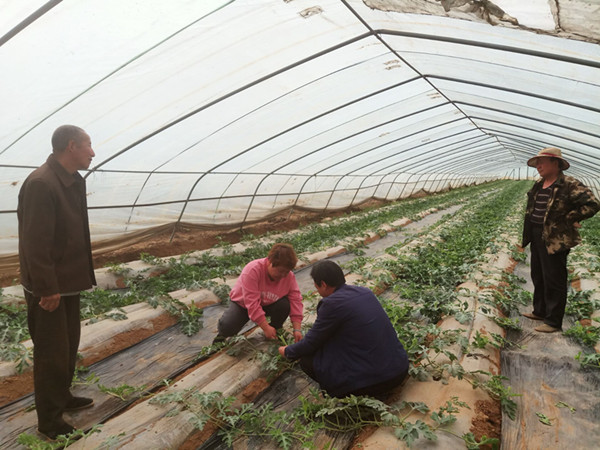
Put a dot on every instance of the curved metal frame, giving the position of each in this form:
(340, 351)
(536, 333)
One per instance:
(518, 145)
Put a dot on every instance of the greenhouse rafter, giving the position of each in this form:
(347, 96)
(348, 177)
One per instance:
(223, 113)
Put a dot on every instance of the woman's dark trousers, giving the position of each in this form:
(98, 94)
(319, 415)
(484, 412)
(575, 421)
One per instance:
(236, 316)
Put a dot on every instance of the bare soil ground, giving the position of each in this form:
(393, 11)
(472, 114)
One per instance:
(488, 420)
(14, 387)
(248, 395)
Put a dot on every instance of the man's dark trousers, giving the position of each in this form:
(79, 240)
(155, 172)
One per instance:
(55, 337)
(549, 275)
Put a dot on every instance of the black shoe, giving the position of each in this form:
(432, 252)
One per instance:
(64, 429)
(77, 403)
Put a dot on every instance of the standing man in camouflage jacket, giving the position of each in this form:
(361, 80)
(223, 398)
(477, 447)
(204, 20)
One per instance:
(555, 206)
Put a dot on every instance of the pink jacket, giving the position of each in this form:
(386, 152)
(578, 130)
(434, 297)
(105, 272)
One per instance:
(255, 289)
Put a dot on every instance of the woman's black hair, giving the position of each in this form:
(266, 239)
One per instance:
(329, 272)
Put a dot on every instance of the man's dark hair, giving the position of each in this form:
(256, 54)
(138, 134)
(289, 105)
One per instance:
(558, 161)
(62, 135)
(329, 272)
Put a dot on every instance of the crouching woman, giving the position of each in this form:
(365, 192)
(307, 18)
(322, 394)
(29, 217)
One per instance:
(352, 347)
(267, 287)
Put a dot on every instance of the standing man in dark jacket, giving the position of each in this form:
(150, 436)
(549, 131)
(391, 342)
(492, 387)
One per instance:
(352, 348)
(56, 264)
(555, 206)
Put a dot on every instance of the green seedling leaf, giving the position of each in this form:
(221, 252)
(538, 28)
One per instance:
(544, 419)
(409, 432)
(565, 405)
(416, 406)
(472, 443)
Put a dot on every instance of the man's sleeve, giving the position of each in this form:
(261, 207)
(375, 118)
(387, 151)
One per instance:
(38, 225)
(328, 321)
(586, 204)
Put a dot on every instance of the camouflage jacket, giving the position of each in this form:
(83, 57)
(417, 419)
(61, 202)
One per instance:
(570, 202)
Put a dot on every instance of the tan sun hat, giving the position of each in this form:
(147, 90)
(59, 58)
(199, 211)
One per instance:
(550, 152)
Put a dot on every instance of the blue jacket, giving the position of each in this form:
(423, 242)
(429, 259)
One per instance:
(352, 342)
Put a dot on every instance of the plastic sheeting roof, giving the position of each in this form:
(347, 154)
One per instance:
(222, 112)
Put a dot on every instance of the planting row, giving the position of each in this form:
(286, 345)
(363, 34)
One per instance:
(22, 421)
(583, 302)
(191, 403)
(556, 375)
(153, 280)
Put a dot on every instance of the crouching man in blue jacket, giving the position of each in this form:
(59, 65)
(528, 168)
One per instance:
(352, 347)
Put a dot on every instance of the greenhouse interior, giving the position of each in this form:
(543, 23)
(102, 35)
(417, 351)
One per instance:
(400, 139)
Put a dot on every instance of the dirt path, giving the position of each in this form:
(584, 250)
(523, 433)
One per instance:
(160, 353)
(162, 356)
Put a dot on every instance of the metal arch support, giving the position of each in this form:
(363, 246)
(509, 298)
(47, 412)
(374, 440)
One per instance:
(465, 180)
(491, 46)
(587, 166)
(592, 183)
(532, 118)
(349, 158)
(378, 35)
(446, 165)
(434, 156)
(442, 179)
(339, 140)
(435, 182)
(405, 150)
(355, 134)
(373, 173)
(451, 180)
(349, 173)
(340, 178)
(110, 75)
(365, 178)
(300, 62)
(28, 21)
(535, 148)
(412, 167)
(512, 91)
(416, 184)
(538, 144)
(466, 167)
(404, 187)
(392, 183)
(275, 136)
(509, 124)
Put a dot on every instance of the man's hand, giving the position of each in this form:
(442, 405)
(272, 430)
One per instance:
(50, 302)
(576, 225)
(282, 350)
